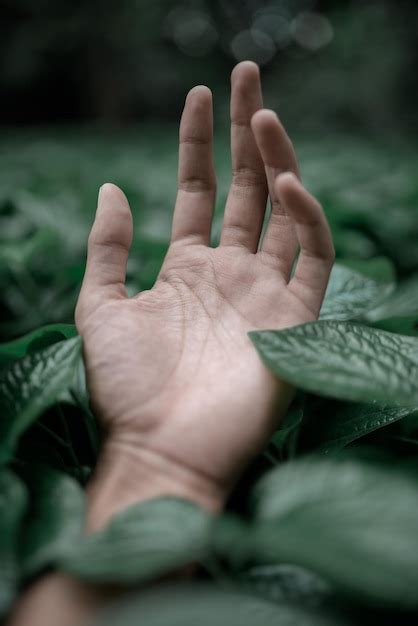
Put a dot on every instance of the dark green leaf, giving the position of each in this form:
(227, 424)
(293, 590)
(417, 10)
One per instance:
(344, 360)
(36, 340)
(144, 541)
(351, 521)
(12, 507)
(31, 385)
(348, 422)
(401, 325)
(56, 518)
(287, 583)
(207, 605)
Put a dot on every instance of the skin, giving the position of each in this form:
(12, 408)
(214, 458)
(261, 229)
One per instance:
(182, 394)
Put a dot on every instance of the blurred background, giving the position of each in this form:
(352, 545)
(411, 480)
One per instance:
(346, 63)
(92, 91)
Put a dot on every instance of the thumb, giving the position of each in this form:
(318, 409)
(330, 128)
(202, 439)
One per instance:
(108, 248)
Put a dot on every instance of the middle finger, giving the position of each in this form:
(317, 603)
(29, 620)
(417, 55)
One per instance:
(247, 198)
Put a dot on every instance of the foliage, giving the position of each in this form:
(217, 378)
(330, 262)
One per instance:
(322, 527)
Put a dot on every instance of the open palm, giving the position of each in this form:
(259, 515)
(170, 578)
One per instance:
(172, 371)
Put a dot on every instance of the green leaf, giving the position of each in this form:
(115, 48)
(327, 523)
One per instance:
(286, 583)
(31, 385)
(55, 521)
(347, 422)
(403, 302)
(207, 605)
(344, 360)
(350, 295)
(350, 521)
(13, 500)
(36, 340)
(144, 541)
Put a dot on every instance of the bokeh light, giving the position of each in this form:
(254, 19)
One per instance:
(253, 44)
(192, 31)
(276, 26)
(312, 30)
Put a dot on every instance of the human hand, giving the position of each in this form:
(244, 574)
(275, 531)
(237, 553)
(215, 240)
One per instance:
(172, 374)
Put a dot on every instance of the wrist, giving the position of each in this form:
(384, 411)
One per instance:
(127, 474)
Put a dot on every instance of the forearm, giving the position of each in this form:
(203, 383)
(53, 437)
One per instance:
(58, 599)
(124, 476)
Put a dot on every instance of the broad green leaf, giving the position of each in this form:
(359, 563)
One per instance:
(403, 302)
(13, 500)
(36, 340)
(144, 541)
(344, 360)
(350, 294)
(286, 583)
(55, 520)
(351, 521)
(345, 423)
(31, 385)
(208, 605)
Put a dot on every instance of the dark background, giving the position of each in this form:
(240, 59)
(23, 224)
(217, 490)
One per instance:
(335, 64)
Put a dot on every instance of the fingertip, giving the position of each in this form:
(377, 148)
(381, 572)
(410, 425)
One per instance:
(196, 123)
(201, 89)
(246, 65)
(264, 116)
(110, 194)
(113, 221)
(200, 94)
(108, 247)
(247, 69)
(246, 93)
(263, 119)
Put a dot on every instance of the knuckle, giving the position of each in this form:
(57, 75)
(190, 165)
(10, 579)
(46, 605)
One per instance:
(194, 184)
(246, 176)
(195, 140)
(93, 239)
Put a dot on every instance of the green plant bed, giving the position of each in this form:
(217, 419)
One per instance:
(322, 529)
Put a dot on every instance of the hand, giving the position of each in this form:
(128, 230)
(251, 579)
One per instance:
(172, 373)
